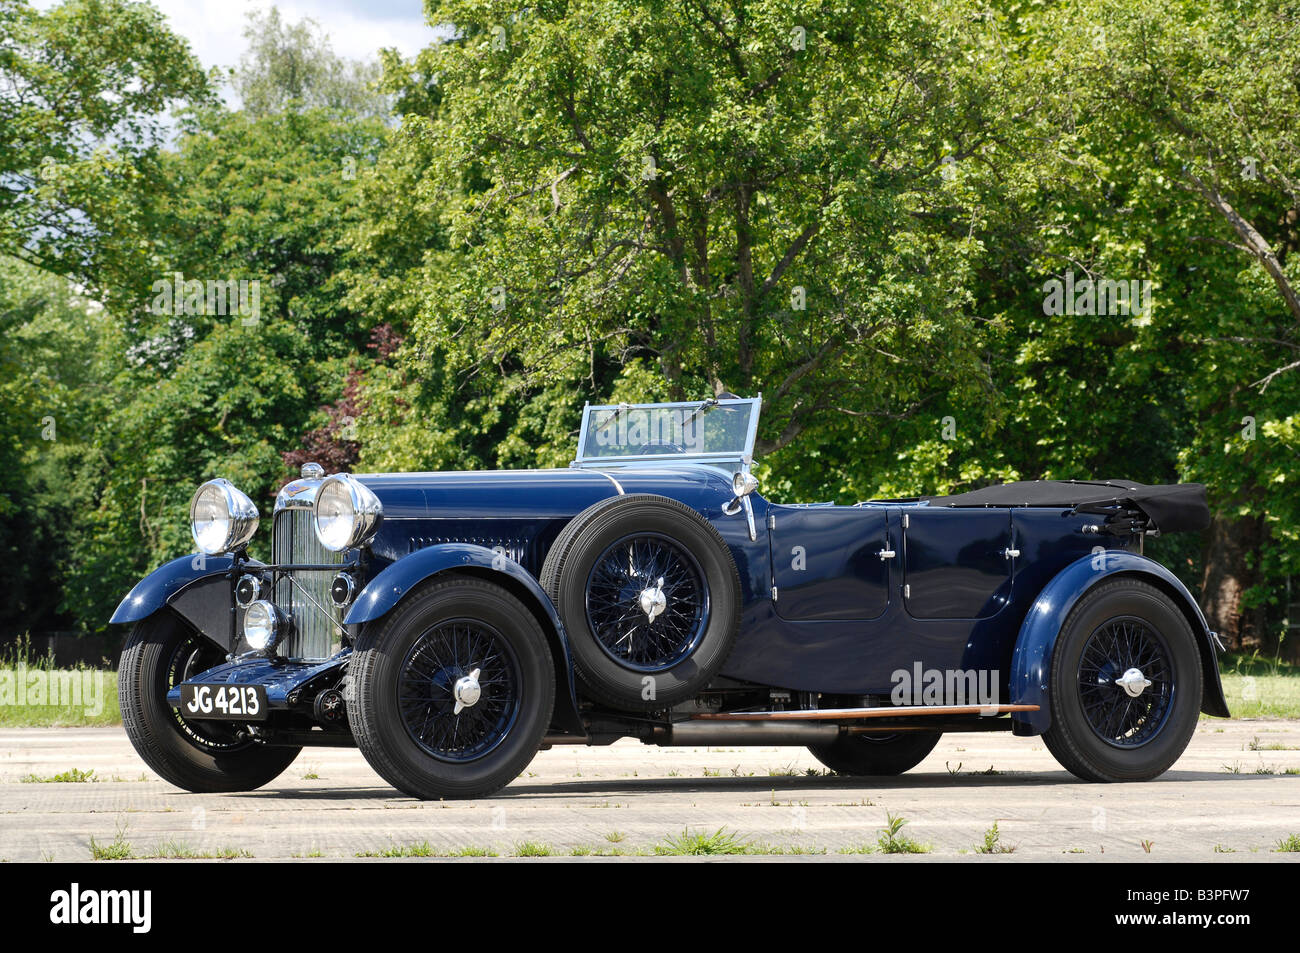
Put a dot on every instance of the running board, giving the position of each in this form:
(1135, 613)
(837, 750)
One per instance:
(852, 714)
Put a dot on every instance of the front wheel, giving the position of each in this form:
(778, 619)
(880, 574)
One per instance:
(879, 755)
(201, 756)
(452, 692)
(1125, 684)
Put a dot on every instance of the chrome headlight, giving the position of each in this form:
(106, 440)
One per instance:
(221, 518)
(347, 513)
(262, 626)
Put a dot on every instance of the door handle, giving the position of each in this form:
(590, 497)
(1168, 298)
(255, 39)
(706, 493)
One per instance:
(1010, 553)
(886, 554)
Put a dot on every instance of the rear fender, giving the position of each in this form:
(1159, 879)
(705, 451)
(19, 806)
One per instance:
(392, 584)
(1031, 664)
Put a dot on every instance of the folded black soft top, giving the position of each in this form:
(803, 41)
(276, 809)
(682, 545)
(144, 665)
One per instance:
(1171, 508)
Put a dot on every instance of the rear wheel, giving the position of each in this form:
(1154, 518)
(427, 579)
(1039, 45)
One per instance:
(452, 692)
(868, 755)
(1125, 684)
(203, 756)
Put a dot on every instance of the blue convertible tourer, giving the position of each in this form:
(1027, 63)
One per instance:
(452, 624)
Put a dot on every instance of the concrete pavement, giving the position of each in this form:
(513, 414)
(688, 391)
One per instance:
(1227, 799)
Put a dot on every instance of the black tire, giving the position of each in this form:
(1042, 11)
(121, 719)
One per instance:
(1099, 732)
(876, 755)
(199, 756)
(403, 675)
(645, 667)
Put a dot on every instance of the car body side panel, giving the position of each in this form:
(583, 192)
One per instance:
(861, 657)
(827, 563)
(955, 561)
(1031, 664)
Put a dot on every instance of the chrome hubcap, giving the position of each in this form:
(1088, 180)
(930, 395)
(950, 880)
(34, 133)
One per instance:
(653, 600)
(466, 692)
(1133, 682)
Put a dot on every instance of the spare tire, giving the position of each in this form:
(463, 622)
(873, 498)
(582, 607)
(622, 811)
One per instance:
(650, 598)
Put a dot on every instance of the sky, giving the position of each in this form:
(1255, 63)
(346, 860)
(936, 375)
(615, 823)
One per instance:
(357, 29)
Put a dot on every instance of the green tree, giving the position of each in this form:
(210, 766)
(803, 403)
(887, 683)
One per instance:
(57, 357)
(1180, 135)
(291, 66)
(84, 89)
(204, 390)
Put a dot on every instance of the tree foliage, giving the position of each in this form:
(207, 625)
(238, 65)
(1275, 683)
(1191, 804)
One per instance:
(865, 211)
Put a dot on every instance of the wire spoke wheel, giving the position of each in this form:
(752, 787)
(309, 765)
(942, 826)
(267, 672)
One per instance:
(647, 602)
(201, 755)
(458, 690)
(650, 598)
(1125, 680)
(191, 656)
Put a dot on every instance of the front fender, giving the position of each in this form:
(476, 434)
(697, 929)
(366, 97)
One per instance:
(154, 591)
(196, 586)
(388, 588)
(1031, 663)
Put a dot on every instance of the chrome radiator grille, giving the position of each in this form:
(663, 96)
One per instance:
(305, 596)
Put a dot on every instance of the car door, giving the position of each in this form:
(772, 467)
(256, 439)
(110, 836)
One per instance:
(827, 562)
(957, 562)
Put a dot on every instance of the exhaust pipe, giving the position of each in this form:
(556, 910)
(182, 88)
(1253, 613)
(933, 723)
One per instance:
(719, 732)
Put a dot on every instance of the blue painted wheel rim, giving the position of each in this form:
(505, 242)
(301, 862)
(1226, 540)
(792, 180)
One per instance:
(426, 681)
(622, 629)
(1114, 647)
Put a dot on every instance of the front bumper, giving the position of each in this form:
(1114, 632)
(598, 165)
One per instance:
(290, 686)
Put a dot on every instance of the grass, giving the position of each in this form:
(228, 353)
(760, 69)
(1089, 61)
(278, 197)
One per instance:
(687, 844)
(1258, 687)
(891, 841)
(179, 850)
(993, 843)
(425, 849)
(71, 776)
(422, 849)
(117, 849)
(532, 849)
(34, 692)
(1288, 845)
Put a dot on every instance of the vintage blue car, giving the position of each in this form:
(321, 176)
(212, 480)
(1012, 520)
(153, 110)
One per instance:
(450, 625)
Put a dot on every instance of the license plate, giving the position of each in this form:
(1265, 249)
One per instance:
(223, 702)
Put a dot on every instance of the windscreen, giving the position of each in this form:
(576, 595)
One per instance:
(713, 430)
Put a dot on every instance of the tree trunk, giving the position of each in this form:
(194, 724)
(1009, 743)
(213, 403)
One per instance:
(1227, 577)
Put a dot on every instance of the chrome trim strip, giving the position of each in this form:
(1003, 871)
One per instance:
(618, 486)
